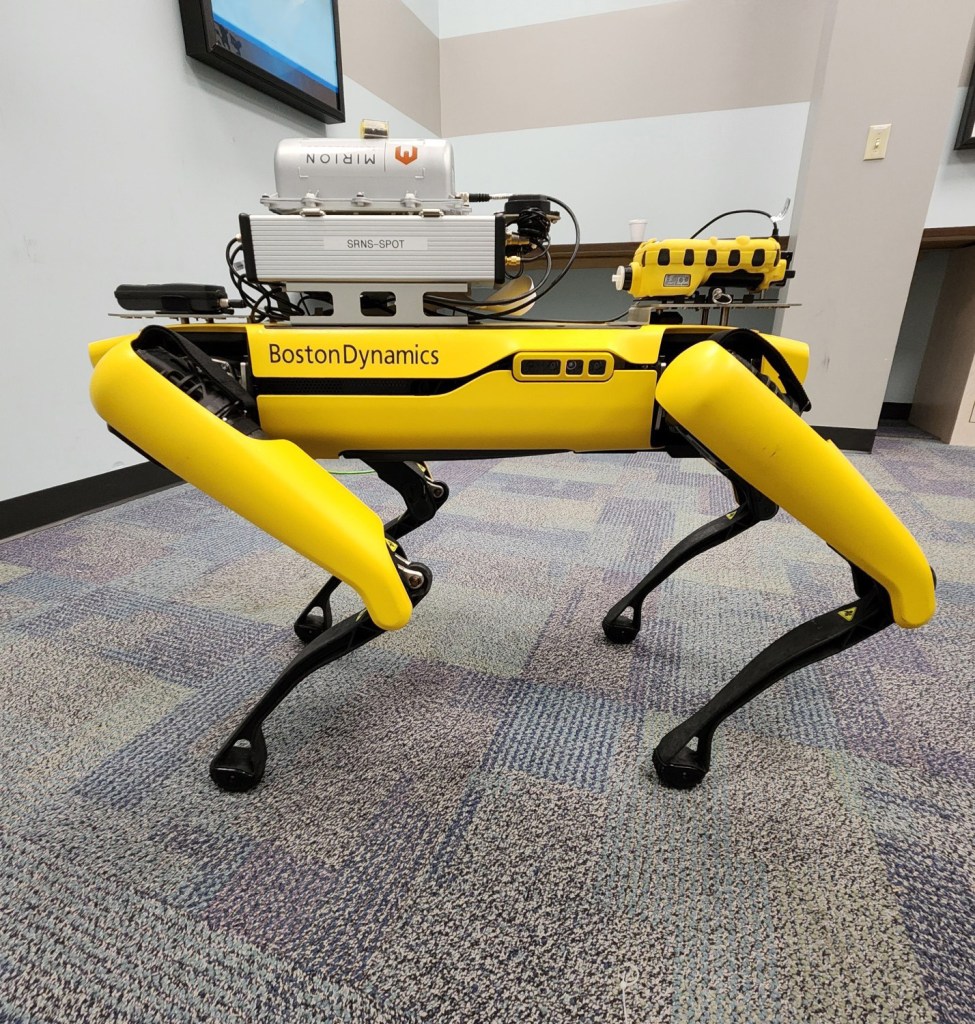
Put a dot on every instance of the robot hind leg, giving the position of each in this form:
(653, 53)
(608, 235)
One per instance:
(740, 423)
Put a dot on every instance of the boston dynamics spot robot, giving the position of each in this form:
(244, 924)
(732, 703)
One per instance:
(379, 319)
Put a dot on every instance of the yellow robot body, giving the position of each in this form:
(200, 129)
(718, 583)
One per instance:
(424, 392)
(436, 391)
(364, 340)
(242, 411)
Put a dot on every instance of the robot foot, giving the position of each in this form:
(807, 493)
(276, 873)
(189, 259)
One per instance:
(681, 763)
(240, 765)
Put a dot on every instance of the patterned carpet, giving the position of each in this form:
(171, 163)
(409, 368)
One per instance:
(456, 823)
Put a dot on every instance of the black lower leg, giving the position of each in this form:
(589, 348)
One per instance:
(423, 496)
(622, 621)
(239, 765)
(682, 763)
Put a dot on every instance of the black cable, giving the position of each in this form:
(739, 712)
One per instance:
(265, 297)
(731, 213)
(537, 292)
(234, 248)
(474, 305)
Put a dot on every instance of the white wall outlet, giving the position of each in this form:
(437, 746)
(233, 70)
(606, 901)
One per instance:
(877, 136)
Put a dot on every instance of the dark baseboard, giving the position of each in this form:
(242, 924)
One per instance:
(850, 439)
(895, 410)
(29, 511)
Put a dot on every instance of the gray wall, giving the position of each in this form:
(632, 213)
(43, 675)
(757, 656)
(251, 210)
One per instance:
(858, 224)
(915, 329)
(952, 205)
(669, 112)
(124, 160)
(635, 134)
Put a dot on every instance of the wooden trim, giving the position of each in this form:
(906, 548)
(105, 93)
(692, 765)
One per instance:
(610, 255)
(947, 238)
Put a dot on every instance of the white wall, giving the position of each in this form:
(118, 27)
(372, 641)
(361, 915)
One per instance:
(676, 172)
(953, 199)
(464, 18)
(428, 11)
(122, 160)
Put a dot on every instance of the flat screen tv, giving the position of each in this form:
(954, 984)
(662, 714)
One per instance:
(966, 130)
(288, 49)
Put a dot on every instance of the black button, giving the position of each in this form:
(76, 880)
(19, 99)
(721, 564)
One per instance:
(541, 367)
(734, 257)
(758, 257)
(597, 367)
(573, 367)
(663, 258)
(688, 257)
(712, 257)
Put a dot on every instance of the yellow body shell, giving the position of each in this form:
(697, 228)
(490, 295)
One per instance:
(705, 390)
(272, 483)
(416, 392)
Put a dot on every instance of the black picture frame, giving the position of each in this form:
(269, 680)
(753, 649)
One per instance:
(966, 130)
(251, 61)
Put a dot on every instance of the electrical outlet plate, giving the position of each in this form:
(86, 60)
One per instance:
(877, 136)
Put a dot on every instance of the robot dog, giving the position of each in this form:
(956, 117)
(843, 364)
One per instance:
(358, 333)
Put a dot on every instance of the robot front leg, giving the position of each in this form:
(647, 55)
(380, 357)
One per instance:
(423, 497)
(161, 393)
(239, 765)
(743, 425)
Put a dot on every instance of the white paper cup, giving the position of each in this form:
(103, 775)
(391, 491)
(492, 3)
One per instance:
(638, 230)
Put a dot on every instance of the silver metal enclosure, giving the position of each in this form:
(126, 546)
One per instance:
(364, 176)
(374, 248)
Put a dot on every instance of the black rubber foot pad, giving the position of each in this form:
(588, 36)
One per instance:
(678, 775)
(240, 767)
(620, 632)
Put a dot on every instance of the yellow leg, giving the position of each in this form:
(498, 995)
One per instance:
(274, 484)
(734, 415)
(756, 436)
